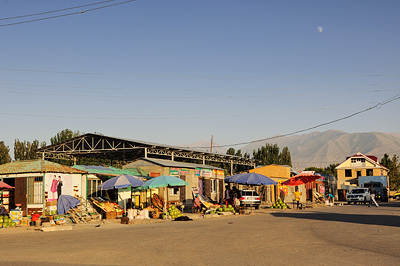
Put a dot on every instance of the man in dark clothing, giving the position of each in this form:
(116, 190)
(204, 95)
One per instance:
(372, 193)
(59, 186)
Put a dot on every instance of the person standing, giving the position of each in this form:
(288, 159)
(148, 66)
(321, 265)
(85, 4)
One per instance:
(228, 197)
(297, 195)
(372, 193)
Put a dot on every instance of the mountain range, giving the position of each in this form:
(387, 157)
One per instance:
(319, 149)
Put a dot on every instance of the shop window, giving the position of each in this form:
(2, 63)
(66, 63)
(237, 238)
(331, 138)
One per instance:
(214, 185)
(35, 190)
(174, 191)
(370, 172)
(347, 173)
(93, 188)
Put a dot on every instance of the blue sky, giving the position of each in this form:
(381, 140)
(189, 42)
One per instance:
(176, 72)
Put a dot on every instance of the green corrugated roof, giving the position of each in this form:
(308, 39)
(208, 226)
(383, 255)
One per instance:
(130, 171)
(37, 166)
(111, 171)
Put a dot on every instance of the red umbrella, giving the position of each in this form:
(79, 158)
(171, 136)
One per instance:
(4, 185)
(292, 182)
(301, 179)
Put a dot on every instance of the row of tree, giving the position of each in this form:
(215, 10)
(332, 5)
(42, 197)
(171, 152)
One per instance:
(26, 150)
(268, 154)
(394, 170)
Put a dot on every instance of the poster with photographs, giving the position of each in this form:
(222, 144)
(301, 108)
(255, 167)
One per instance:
(58, 184)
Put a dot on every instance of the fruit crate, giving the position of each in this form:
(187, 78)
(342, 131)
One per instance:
(111, 215)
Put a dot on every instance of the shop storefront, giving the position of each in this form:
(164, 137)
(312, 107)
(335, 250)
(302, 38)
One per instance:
(39, 183)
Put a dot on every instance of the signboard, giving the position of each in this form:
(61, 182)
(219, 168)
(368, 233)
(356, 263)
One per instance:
(203, 172)
(178, 171)
(321, 189)
(283, 187)
(218, 173)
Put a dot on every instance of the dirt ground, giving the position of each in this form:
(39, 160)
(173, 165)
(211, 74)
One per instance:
(340, 235)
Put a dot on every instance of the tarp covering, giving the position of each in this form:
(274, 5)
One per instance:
(66, 202)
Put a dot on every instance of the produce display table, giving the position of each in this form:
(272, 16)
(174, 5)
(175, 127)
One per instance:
(108, 210)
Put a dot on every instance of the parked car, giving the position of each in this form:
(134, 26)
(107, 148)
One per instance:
(397, 195)
(358, 195)
(250, 198)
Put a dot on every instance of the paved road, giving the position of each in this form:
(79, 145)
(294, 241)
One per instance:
(342, 235)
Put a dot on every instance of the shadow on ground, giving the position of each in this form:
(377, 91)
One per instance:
(372, 219)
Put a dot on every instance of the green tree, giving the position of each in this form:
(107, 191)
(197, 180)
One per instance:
(394, 170)
(329, 170)
(25, 150)
(285, 158)
(64, 135)
(4, 153)
(268, 154)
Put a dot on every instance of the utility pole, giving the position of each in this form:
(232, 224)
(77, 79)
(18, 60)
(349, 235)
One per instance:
(212, 137)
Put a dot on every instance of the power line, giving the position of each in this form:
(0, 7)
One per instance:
(64, 15)
(170, 118)
(378, 105)
(54, 11)
(194, 76)
(206, 89)
(190, 97)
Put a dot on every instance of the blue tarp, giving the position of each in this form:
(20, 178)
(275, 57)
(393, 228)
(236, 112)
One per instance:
(66, 202)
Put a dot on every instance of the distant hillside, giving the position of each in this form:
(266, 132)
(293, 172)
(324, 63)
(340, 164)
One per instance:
(323, 148)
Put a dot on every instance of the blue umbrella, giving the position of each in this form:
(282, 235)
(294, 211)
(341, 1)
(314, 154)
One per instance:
(231, 179)
(253, 179)
(122, 181)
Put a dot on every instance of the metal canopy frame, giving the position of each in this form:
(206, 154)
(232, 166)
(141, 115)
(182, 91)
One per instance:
(99, 146)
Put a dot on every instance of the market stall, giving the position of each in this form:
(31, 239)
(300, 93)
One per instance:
(111, 210)
(107, 209)
(5, 196)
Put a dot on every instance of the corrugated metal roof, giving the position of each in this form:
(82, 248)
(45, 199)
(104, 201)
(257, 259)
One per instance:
(169, 163)
(110, 171)
(37, 166)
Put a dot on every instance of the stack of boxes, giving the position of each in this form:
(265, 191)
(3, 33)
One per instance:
(16, 216)
(51, 208)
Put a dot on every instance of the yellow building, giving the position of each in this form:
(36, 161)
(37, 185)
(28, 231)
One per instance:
(358, 165)
(278, 173)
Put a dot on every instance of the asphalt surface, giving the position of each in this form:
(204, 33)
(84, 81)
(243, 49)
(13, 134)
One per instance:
(339, 235)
